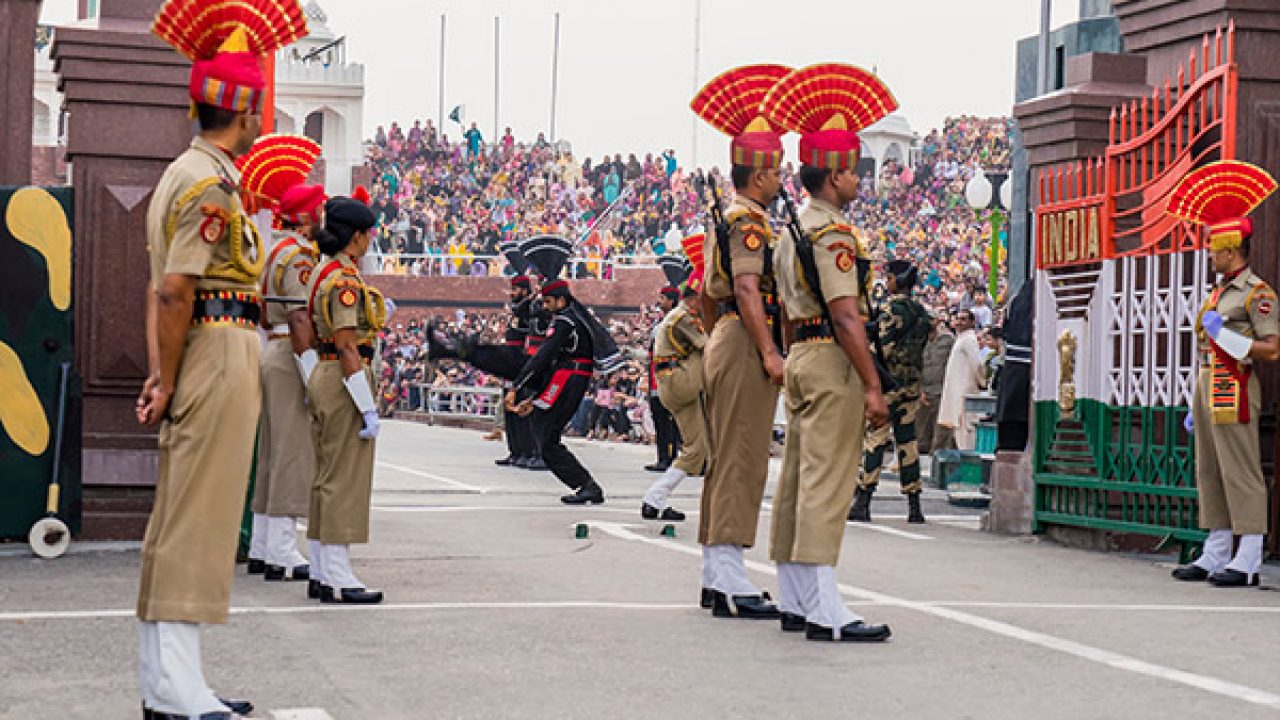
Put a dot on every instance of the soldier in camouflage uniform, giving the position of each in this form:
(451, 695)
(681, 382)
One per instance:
(904, 331)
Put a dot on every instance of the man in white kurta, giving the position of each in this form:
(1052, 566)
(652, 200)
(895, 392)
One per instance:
(965, 376)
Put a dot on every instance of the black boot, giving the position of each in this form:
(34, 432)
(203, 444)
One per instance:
(588, 494)
(914, 514)
(861, 510)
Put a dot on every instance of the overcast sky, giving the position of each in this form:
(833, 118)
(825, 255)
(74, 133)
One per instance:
(627, 68)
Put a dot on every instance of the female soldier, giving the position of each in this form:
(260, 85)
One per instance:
(347, 314)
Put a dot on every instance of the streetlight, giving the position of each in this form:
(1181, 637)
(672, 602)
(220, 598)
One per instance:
(991, 191)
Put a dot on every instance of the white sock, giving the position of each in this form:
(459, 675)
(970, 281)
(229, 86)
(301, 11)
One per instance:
(708, 567)
(179, 683)
(830, 611)
(661, 489)
(1248, 558)
(1217, 550)
(337, 568)
(317, 560)
(147, 651)
(258, 538)
(731, 571)
(282, 542)
(797, 588)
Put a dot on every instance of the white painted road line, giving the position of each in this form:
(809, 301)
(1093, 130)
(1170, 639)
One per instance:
(1224, 609)
(383, 607)
(432, 476)
(888, 530)
(504, 508)
(1213, 685)
(301, 714)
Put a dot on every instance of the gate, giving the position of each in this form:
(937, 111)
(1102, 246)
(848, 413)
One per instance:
(1119, 284)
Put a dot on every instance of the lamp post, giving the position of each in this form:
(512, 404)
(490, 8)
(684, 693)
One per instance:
(991, 191)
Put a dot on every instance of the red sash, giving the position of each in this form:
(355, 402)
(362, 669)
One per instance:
(559, 379)
(1229, 391)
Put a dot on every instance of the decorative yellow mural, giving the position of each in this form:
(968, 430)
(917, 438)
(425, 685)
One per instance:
(21, 413)
(36, 219)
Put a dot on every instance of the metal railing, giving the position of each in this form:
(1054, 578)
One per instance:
(456, 402)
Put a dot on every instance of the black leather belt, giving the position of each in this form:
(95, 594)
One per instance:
(771, 309)
(664, 365)
(329, 351)
(226, 306)
(813, 331)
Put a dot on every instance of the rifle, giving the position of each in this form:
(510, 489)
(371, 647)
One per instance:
(804, 253)
(706, 183)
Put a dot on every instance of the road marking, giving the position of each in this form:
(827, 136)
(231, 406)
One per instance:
(889, 530)
(486, 508)
(301, 714)
(432, 476)
(384, 607)
(1086, 652)
(1226, 609)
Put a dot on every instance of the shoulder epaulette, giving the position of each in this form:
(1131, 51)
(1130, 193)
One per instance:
(735, 215)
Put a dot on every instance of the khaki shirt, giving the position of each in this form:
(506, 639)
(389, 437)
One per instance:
(287, 273)
(341, 300)
(678, 335)
(749, 235)
(835, 252)
(196, 225)
(1247, 305)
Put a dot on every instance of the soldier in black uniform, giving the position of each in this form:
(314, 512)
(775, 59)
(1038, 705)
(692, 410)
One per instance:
(550, 386)
(504, 359)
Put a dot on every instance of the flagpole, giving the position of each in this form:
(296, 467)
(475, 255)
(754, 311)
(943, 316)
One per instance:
(697, 56)
(496, 66)
(440, 115)
(555, 77)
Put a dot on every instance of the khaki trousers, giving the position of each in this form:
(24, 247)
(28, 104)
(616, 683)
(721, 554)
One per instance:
(344, 463)
(825, 409)
(740, 405)
(681, 393)
(286, 457)
(1233, 493)
(206, 449)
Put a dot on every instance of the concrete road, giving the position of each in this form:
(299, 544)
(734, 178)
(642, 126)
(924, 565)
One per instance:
(495, 610)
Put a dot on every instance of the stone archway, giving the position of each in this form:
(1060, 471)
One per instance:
(285, 122)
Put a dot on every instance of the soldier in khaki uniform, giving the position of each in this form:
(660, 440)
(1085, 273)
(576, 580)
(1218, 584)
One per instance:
(677, 363)
(202, 386)
(286, 456)
(1237, 326)
(831, 379)
(904, 330)
(742, 361)
(348, 313)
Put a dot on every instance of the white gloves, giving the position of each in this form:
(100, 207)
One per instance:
(1231, 342)
(307, 362)
(358, 388)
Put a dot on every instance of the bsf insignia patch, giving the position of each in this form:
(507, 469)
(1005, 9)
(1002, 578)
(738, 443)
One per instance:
(305, 275)
(751, 241)
(347, 297)
(214, 223)
(844, 262)
(1265, 307)
(211, 229)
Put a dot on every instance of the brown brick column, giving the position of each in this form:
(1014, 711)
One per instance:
(17, 84)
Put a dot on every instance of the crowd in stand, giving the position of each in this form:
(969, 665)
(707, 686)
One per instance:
(446, 206)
